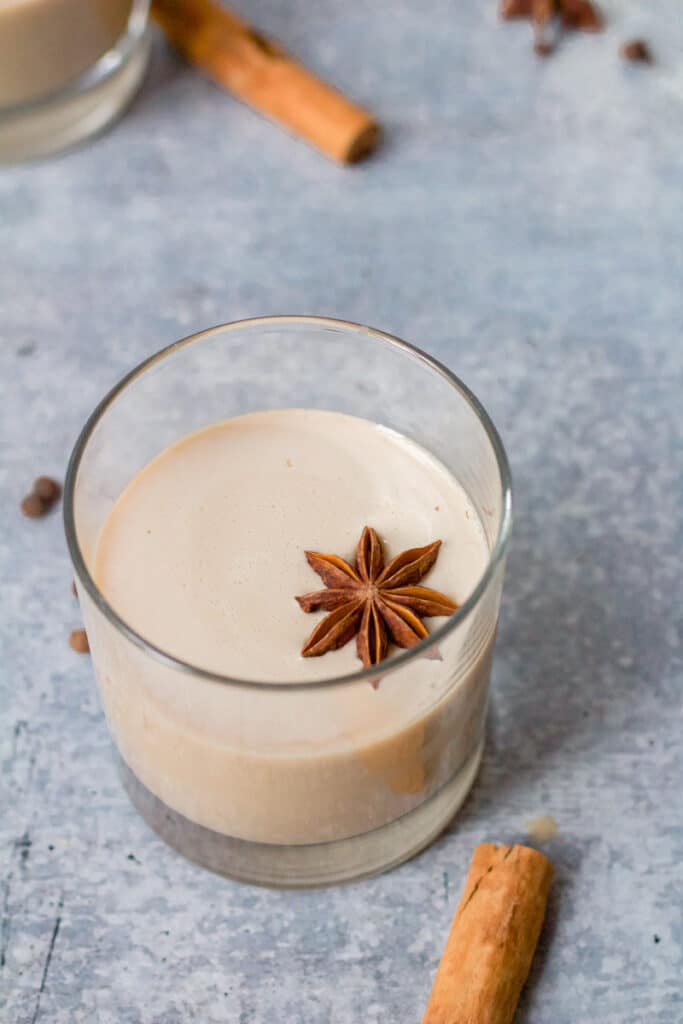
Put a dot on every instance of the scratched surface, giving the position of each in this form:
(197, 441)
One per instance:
(524, 223)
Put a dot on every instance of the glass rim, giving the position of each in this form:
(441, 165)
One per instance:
(375, 672)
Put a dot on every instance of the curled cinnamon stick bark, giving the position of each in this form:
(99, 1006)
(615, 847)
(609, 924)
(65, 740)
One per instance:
(493, 937)
(258, 71)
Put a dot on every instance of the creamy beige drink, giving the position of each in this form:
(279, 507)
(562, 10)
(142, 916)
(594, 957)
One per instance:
(203, 554)
(46, 44)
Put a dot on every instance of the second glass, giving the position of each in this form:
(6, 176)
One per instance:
(67, 68)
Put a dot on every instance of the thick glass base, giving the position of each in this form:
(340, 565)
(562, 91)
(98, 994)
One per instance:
(298, 867)
(83, 109)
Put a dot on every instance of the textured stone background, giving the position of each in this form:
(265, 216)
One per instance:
(523, 222)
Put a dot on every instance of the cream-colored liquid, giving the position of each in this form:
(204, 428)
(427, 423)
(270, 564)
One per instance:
(203, 554)
(204, 551)
(45, 44)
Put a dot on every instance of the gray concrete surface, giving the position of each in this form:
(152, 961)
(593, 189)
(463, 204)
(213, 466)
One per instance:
(524, 223)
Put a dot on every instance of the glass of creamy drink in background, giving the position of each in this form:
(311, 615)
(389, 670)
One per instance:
(67, 68)
(193, 493)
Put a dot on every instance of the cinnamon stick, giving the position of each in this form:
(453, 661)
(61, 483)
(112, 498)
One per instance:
(493, 937)
(257, 70)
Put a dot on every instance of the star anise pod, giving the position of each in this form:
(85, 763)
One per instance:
(583, 15)
(550, 16)
(374, 600)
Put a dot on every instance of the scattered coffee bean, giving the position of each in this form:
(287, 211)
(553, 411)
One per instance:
(78, 641)
(45, 493)
(33, 506)
(636, 49)
(47, 488)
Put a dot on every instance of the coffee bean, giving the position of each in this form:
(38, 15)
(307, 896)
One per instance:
(78, 641)
(33, 506)
(636, 49)
(47, 488)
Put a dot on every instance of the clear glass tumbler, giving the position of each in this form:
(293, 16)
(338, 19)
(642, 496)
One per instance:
(198, 751)
(67, 68)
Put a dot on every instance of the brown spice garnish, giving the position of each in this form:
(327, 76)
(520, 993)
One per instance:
(636, 49)
(47, 489)
(45, 493)
(73, 588)
(581, 15)
(545, 29)
(510, 9)
(493, 937)
(78, 641)
(33, 506)
(373, 600)
(258, 71)
(543, 10)
(550, 15)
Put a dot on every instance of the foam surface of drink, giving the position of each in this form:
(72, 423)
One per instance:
(203, 553)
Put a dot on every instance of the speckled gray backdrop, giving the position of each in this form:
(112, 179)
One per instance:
(524, 222)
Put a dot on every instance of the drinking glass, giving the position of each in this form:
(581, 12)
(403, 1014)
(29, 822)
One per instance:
(262, 781)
